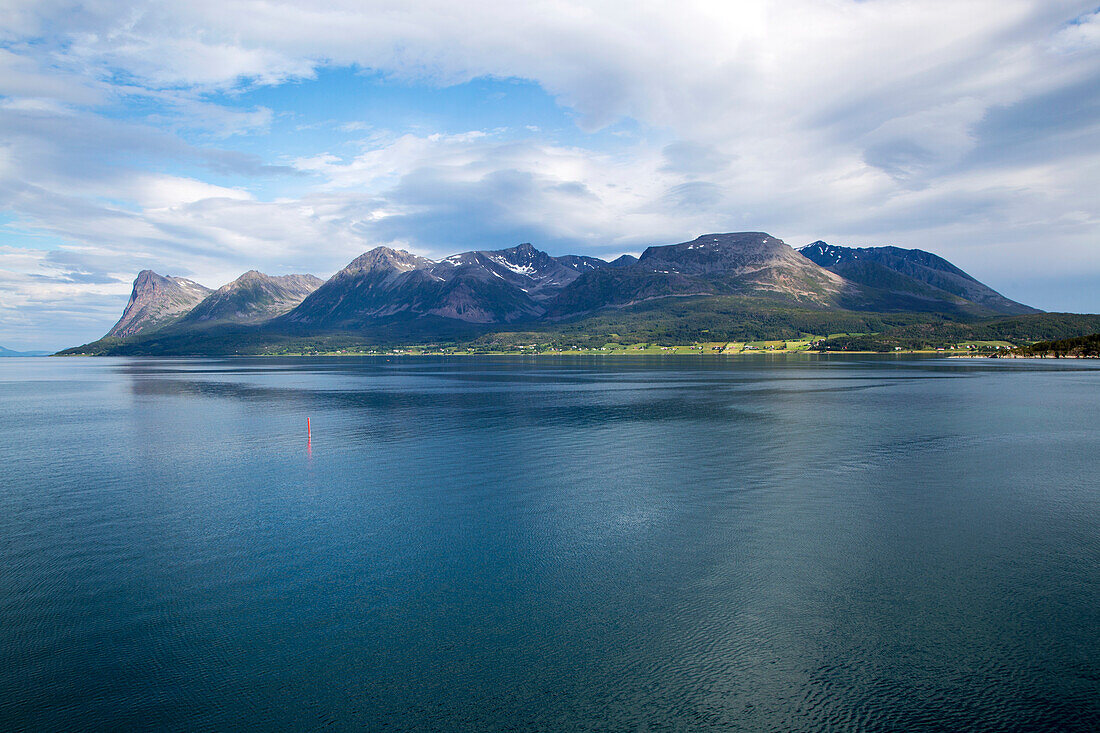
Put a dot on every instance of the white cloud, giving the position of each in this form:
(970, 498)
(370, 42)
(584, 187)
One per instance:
(957, 127)
(164, 192)
(1083, 34)
(26, 77)
(46, 304)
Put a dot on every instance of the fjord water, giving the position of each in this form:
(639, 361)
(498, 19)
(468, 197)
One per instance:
(550, 544)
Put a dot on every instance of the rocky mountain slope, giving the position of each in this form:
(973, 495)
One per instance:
(497, 286)
(909, 279)
(252, 298)
(155, 302)
(744, 263)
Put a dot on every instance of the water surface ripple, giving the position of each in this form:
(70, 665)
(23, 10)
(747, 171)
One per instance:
(797, 544)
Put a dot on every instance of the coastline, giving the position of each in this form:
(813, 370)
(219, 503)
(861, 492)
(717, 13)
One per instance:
(595, 352)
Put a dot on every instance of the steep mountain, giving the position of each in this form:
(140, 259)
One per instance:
(155, 302)
(370, 286)
(533, 271)
(910, 279)
(744, 263)
(472, 292)
(252, 298)
(498, 286)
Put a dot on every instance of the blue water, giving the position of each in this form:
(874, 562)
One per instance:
(550, 544)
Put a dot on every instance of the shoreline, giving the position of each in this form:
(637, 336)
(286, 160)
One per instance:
(628, 354)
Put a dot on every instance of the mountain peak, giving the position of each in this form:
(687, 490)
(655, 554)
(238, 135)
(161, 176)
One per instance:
(524, 254)
(823, 253)
(734, 263)
(255, 278)
(729, 252)
(155, 301)
(525, 249)
(386, 258)
(253, 297)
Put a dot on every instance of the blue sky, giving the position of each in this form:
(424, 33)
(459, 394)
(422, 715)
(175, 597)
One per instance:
(205, 139)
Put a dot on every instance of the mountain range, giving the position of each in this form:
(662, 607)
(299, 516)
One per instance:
(402, 295)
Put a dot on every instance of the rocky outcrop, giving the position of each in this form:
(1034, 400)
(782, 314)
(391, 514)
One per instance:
(157, 301)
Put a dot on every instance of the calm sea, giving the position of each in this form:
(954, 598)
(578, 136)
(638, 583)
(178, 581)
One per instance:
(550, 544)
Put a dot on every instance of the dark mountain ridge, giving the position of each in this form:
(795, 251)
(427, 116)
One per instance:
(912, 278)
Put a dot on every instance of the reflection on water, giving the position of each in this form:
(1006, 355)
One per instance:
(526, 544)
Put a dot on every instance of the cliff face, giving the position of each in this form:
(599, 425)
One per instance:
(157, 301)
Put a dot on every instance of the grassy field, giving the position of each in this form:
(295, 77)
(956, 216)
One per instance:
(806, 344)
(811, 344)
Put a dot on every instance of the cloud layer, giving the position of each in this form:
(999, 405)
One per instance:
(970, 129)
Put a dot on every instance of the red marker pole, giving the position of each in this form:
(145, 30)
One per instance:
(309, 431)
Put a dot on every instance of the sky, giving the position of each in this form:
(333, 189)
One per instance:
(203, 139)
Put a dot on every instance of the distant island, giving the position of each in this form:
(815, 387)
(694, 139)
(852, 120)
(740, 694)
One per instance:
(745, 292)
(11, 352)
